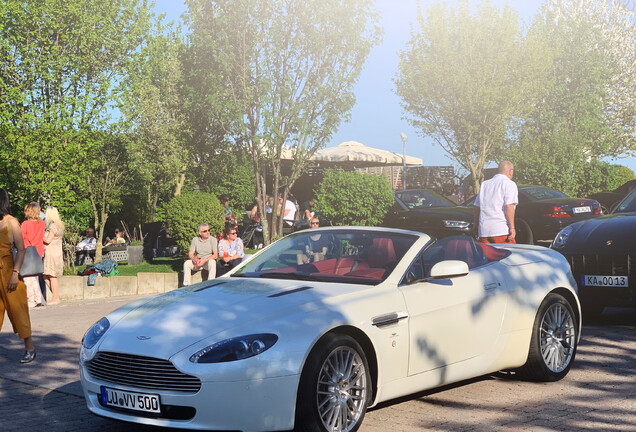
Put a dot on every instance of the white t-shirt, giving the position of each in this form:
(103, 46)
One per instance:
(493, 196)
(289, 219)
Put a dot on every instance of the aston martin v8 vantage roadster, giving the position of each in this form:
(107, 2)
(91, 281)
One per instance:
(324, 323)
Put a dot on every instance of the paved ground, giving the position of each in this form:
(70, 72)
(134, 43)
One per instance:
(599, 394)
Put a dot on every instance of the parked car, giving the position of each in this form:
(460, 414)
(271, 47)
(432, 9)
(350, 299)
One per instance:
(427, 211)
(542, 212)
(608, 199)
(290, 339)
(602, 254)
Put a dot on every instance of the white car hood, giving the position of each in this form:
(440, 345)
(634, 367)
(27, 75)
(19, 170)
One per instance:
(166, 324)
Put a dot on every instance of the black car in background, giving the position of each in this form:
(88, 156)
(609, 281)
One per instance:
(602, 255)
(429, 212)
(543, 212)
(608, 199)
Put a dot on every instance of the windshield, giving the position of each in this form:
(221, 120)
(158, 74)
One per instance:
(628, 204)
(331, 255)
(415, 199)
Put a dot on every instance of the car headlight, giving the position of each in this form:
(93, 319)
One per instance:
(456, 224)
(95, 333)
(562, 237)
(233, 349)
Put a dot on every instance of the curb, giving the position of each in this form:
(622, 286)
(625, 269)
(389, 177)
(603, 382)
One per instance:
(77, 288)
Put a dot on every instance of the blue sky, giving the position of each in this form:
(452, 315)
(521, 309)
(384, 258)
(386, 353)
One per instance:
(377, 118)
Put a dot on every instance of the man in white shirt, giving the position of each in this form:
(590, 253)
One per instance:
(289, 213)
(203, 253)
(495, 205)
(86, 247)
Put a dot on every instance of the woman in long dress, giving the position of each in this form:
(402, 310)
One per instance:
(13, 298)
(53, 255)
(33, 235)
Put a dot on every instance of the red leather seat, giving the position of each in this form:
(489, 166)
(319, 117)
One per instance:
(381, 253)
(460, 249)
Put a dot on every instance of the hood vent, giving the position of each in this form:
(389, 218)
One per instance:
(282, 293)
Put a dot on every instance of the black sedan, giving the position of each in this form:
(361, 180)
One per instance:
(429, 212)
(602, 255)
(543, 212)
(609, 199)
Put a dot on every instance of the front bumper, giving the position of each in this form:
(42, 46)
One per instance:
(266, 404)
(605, 265)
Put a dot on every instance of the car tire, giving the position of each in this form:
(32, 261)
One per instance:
(523, 232)
(336, 376)
(554, 341)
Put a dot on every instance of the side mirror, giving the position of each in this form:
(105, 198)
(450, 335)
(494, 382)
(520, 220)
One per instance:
(449, 269)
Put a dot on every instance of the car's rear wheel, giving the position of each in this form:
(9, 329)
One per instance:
(523, 232)
(554, 341)
(335, 387)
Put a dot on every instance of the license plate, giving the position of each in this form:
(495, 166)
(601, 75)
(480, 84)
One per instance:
(605, 281)
(584, 209)
(130, 400)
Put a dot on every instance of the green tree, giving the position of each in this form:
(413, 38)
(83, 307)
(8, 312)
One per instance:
(277, 76)
(353, 198)
(153, 109)
(60, 65)
(561, 139)
(233, 175)
(464, 78)
(104, 184)
(613, 29)
(185, 212)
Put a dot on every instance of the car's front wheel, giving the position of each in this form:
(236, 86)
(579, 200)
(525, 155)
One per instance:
(554, 341)
(335, 387)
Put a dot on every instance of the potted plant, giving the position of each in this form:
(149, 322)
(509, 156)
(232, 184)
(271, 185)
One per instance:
(135, 248)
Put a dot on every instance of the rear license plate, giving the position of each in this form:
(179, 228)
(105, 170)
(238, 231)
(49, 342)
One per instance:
(584, 209)
(605, 281)
(130, 400)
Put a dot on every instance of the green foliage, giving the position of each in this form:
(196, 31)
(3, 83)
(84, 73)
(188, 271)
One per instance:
(465, 77)
(353, 198)
(185, 212)
(153, 110)
(236, 179)
(82, 215)
(560, 141)
(618, 175)
(274, 75)
(60, 62)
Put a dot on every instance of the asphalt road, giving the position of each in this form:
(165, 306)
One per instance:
(599, 394)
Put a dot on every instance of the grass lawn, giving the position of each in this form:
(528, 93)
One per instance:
(158, 265)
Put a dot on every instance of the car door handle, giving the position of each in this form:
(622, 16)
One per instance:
(491, 286)
(388, 319)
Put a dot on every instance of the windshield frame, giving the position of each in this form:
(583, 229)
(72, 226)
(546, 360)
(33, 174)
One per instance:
(353, 255)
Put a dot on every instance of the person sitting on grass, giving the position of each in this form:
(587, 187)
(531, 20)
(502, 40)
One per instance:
(202, 254)
(231, 251)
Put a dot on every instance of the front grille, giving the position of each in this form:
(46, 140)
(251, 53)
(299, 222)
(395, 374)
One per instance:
(606, 265)
(142, 372)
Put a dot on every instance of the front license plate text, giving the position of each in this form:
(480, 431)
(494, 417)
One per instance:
(605, 281)
(130, 400)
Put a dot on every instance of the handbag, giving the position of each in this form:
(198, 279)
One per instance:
(32, 264)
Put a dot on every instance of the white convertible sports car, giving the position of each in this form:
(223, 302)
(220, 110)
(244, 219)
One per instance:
(324, 323)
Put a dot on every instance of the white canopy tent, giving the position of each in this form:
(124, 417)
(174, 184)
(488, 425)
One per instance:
(358, 154)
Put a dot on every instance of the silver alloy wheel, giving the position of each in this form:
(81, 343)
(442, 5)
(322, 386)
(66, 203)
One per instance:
(342, 390)
(558, 337)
